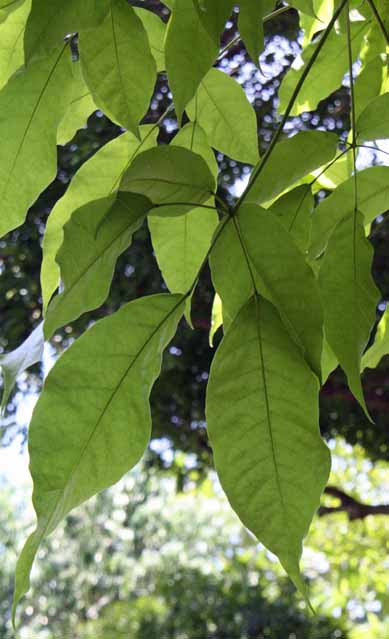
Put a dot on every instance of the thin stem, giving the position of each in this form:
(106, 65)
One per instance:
(379, 21)
(371, 148)
(329, 165)
(265, 158)
(352, 99)
(276, 13)
(192, 204)
(229, 46)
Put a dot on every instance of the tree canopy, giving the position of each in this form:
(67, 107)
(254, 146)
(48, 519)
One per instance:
(281, 268)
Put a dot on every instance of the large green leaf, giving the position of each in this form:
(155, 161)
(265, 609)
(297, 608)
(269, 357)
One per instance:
(16, 362)
(80, 108)
(214, 15)
(380, 346)
(189, 52)
(97, 178)
(169, 174)
(181, 242)
(349, 297)
(11, 41)
(156, 31)
(368, 83)
(373, 123)
(227, 117)
(373, 192)
(94, 237)
(250, 25)
(262, 419)
(31, 106)
(50, 22)
(294, 210)
(118, 65)
(327, 73)
(290, 161)
(95, 404)
(289, 280)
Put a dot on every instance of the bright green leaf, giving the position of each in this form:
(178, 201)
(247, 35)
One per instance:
(189, 51)
(97, 178)
(306, 6)
(102, 420)
(156, 30)
(89, 252)
(50, 21)
(227, 117)
(169, 174)
(373, 192)
(80, 108)
(327, 73)
(380, 346)
(216, 318)
(373, 123)
(368, 83)
(118, 65)
(11, 41)
(290, 161)
(9, 6)
(294, 210)
(349, 297)
(16, 362)
(262, 419)
(289, 280)
(31, 106)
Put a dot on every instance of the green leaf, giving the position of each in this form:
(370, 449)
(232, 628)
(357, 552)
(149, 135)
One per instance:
(290, 161)
(380, 346)
(349, 297)
(89, 252)
(11, 41)
(373, 124)
(294, 210)
(216, 318)
(16, 362)
(368, 83)
(262, 419)
(102, 420)
(181, 242)
(306, 6)
(9, 6)
(169, 174)
(97, 178)
(328, 361)
(227, 117)
(31, 106)
(156, 31)
(214, 15)
(288, 279)
(230, 274)
(118, 65)
(250, 25)
(373, 192)
(189, 51)
(50, 22)
(327, 73)
(80, 108)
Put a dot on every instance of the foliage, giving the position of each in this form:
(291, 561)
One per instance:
(279, 296)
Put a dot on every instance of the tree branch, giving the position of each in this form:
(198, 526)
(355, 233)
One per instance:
(352, 507)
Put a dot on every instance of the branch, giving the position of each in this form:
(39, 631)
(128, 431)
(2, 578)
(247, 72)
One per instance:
(352, 507)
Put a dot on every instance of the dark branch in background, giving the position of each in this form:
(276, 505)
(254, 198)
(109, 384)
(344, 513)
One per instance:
(352, 507)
